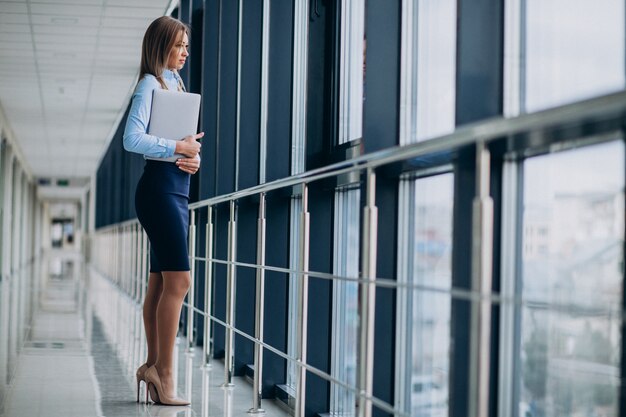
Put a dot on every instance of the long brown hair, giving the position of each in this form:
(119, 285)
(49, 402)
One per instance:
(158, 42)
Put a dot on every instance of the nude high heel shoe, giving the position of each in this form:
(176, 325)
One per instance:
(156, 390)
(141, 371)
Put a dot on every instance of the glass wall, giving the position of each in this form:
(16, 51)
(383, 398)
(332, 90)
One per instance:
(428, 69)
(428, 65)
(19, 262)
(565, 50)
(572, 254)
(345, 325)
(425, 264)
(557, 254)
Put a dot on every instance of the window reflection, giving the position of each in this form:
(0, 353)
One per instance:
(574, 49)
(425, 257)
(345, 325)
(573, 234)
(428, 69)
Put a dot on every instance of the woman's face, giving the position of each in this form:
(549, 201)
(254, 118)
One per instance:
(179, 52)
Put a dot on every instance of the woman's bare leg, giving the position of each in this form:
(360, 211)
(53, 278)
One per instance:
(153, 295)
(175, 287)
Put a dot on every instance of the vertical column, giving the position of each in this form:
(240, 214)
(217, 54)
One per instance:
(264, 85)
(622, 354)
(300, 79)
(14, 281)
(479, 82)
(91, 227)
(259, 308)
(479, 60)
(145, 262)
(5, 297)
(510, 313)
(368, 296)
(25, 219)
(139, 264)
(191, 296)
(17, 218)
(208, 288)
(303, 304)
(238, 91)
(38, 225)
(482, 247)
(351, 70)
(229, 362)
(123, 257)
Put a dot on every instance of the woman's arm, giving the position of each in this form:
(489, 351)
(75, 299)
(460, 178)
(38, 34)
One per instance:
(136, 138)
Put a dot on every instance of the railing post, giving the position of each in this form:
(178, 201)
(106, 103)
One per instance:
(129, 264)
(117, 256)
(229, 362)
(259, 308)
(303, 295)
(206, 383)
(126, 260)
(482, 251)
(192, 272)
(145, 274)
(139, 263)
(133, 262)
(145, 262)
(208, 288)
(188, 376)
(368, 296)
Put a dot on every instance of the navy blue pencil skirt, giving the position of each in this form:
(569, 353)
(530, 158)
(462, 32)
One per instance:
(161, 202)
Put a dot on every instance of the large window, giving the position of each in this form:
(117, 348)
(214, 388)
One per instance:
(427, 110)
(560, 51)
(345, 321)
(428, 69)
(425, 256)
(572, 254)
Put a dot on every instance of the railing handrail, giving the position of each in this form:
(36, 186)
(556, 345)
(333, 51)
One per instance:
(590, 120)
(601, 108)
(610, 106)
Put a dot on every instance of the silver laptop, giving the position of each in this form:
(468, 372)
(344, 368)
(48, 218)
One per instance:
(174, 115)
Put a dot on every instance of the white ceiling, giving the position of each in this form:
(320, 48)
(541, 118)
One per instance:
(67, 68)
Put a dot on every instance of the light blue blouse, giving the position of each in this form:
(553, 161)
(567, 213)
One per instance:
(136, 139)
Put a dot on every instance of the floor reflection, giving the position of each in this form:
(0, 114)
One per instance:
(71, 341)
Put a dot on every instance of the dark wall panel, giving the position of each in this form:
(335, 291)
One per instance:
(250, 94)
(116, 181)
(226, 139)
(479, 93)
(320, 297)
(247, 214)
(279, 89)
(208, 119)
(382, 75)
(322, 94)
(221, 215)
(380, 131)
(479, 75)
(276, 286)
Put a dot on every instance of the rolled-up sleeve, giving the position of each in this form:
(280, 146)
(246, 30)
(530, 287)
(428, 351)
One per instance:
(136, 138)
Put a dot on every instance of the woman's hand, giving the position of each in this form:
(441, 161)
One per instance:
(188, 165)
(189, 146)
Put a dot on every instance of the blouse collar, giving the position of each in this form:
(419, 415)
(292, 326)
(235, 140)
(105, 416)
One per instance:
(168, 73)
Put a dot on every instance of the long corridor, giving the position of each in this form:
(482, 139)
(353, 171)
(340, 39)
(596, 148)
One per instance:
(81, 348)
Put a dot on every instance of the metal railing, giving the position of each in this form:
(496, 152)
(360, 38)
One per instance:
(535, 133)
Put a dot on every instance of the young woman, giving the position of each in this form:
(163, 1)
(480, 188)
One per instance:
(161, 202)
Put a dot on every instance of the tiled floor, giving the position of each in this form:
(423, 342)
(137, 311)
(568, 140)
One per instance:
(78, 357)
